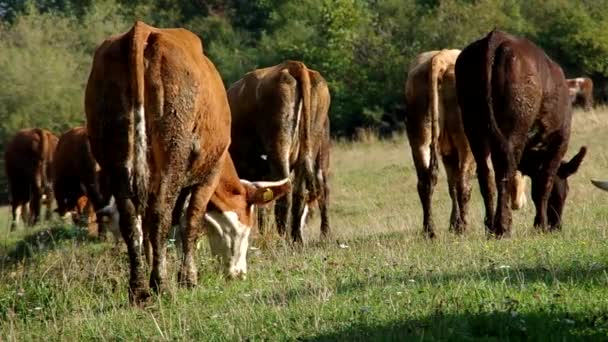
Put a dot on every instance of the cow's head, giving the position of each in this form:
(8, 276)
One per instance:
(229, 219)
(557, 200)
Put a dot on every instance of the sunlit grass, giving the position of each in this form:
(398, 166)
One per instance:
(377, 278)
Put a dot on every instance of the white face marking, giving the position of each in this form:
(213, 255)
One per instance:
(112, 221)
(264, 156)
(229, 240)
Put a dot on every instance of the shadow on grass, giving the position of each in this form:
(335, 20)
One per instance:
(43, 241)
(484, 326)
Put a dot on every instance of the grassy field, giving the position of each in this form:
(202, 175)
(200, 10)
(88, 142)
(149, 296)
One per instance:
(378, 279)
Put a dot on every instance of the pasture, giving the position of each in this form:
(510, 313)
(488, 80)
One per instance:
(377, 279)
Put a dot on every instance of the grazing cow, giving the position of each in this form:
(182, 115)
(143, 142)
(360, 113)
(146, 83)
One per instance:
(581, 92)
(28, 158)
(158, 121)
(434, 126)
(516, 111)
(280, 124)
(76, 178)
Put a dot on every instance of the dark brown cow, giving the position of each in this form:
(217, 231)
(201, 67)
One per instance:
(76, 174)
(581, 92)
(158, 121)
(434, 126)
(516, 110)
(280, 125)
(28, 158)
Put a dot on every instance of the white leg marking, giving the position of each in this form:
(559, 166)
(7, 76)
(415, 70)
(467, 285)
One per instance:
(18, 213)
(426, 156)
(303, 217)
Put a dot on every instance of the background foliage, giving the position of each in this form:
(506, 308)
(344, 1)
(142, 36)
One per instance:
(362, 47)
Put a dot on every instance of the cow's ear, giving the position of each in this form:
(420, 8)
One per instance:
(263, 193)
(567, 169)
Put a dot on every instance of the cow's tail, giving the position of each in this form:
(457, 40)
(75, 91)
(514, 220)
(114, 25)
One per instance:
(138, 167)
(300, 72)
(434, 71)
(497, 135)
(43, 154)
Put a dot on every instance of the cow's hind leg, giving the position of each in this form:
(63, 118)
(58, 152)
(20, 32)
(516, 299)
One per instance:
(158, 221)
(485, 177)
(323, 200)
(427, 179)
(280, 170)
(504, 170)
(450, 162)
(299, 207)
(197, 207)
(130, 228)
(17, 208)
(35, 205)
(463, 186)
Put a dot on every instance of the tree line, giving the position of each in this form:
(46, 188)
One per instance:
(362, 47)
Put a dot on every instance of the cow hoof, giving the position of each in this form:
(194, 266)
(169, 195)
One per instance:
(186, 280)
(139, 297)
(429, 234)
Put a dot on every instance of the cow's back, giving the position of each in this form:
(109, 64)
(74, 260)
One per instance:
(183, 96)
(23, 153)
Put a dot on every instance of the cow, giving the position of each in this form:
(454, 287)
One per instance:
(158, 121)
(516, 110)
(280, 125)
(76, 182)
(581, 92)
(434, 126)
(28, 158)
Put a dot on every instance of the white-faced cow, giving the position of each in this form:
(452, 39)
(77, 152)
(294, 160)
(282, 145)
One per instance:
(434, 126)
(516, 110)
(28, 159)
(581, 92)
(158, 121)
(280, 125)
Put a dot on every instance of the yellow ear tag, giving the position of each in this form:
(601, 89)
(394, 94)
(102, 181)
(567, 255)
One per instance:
(268, 195)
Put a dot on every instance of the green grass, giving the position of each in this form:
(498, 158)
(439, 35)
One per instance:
(390, 283)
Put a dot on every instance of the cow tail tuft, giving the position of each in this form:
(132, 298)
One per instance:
(434, 102)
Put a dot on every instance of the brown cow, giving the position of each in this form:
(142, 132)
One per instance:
(516, 110)
(581, 92)
(77, 176)
(280, 124)
(158, 121)
(28, 159)
(434, 126)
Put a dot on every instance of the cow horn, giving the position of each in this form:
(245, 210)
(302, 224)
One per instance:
(600, 184)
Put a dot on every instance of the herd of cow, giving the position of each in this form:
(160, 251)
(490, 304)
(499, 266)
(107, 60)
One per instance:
(165, 142)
